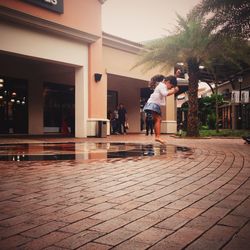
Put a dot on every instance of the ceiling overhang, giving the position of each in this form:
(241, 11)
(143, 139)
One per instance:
(121, 43)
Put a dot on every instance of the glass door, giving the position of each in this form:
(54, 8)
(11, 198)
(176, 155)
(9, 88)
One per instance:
(13, 106)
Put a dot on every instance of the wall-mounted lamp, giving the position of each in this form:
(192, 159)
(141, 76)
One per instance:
(98, 77)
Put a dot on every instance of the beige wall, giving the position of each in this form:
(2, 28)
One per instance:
(120, 62)
(78, 14)
(40, 45)
(97, 90)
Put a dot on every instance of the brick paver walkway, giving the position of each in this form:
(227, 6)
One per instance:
(183, 201)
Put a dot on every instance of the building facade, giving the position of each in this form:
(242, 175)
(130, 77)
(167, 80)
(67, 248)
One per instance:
(235, 113)
(59, 73)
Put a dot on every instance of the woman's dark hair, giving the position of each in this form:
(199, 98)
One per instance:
(171, 79)
(155, 80)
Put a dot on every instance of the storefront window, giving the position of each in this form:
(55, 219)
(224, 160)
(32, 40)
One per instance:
(59, 106)
(13, 106)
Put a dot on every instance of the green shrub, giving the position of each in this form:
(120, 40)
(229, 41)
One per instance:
(225, 133)
(211, 121)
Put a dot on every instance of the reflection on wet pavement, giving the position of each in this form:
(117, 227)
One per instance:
(84, 151)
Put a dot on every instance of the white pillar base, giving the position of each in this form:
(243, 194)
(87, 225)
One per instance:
(168, 127)
(92, 126)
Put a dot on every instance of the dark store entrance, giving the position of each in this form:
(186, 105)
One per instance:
(13, 106)
(59, 108)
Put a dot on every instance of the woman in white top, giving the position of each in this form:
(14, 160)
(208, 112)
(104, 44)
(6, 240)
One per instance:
(163, 87)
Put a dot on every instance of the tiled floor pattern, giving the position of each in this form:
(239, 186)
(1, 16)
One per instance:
(193, 200)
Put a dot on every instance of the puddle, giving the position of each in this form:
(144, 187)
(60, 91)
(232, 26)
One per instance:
(84, 151)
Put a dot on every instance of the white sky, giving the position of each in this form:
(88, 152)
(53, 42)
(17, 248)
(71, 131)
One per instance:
(141, 20)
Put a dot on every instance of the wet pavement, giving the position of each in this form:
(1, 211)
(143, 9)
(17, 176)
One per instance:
(83, 150)
(124, 192)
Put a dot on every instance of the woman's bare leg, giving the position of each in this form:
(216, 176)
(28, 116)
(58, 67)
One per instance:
(157, 126)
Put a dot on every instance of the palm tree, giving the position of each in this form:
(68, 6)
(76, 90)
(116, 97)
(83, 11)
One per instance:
(226, 17)
(194, 44)
(188, 45)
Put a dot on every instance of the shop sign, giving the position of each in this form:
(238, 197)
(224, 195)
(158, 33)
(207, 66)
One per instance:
(53, 5)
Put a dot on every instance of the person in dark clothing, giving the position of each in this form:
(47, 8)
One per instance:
(149, 123)
(115, 122)
(122, 118)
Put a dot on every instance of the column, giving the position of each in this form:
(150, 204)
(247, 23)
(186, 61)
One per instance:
(81, 101)
(169, 125)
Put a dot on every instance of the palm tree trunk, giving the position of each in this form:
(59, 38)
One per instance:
(192, 120)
